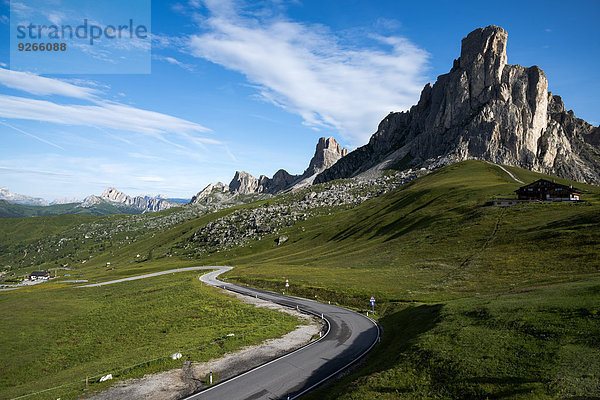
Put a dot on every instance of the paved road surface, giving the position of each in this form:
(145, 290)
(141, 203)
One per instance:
(350, 336)
(133, 278)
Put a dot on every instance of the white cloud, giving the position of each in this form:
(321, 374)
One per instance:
(173, 61)
(307, 70)
(56, 17)
(39, 85)
(145, 157)
(30, 171)
(100, 114)
(105, 115)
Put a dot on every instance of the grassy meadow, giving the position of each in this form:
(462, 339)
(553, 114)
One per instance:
(539, 344)
(476, 301)
(53, 334)
(435, 239)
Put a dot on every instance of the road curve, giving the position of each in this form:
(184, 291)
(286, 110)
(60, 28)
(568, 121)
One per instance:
(133, 278)
(350, 336)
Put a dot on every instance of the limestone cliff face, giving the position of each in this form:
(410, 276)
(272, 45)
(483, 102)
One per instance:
(482, 109)
(327, 153)
(243, 183)
(147, 204)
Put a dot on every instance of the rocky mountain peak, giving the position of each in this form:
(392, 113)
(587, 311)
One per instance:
(6, 195)
(483, 54)
(243, 183)
(113, 194)
(147, 204)
(327, 153)
(483, 109)
(218, 187)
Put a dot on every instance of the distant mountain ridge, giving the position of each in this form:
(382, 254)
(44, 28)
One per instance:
(327, 152)
(22, 199)
(482, 109)
(144, 203)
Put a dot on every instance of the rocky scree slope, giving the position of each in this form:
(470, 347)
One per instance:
(482, 109)
(243, 226)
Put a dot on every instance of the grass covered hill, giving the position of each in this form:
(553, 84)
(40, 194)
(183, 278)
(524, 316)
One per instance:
(434, 239)
(56, 336)
(476, 301)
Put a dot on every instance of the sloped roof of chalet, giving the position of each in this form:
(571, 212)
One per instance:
(566, 187)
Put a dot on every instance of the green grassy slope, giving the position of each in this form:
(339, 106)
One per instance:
(434, 239)
(457, 282)
(57, 335)
(541, 344)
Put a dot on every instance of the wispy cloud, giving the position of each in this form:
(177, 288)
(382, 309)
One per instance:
(307, 70)
(30, 171)
(106, 115)
(41, 86)
(145, 157)
(101, 113)
(173, 61)
(150, 178)
(31, 135)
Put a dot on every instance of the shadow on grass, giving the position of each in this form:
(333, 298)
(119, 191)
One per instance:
(401, 329)
(399, 210)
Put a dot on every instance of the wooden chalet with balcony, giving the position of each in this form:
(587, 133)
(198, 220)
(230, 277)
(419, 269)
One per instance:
(545, 190)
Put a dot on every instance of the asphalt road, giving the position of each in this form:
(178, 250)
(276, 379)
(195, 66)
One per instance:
(133, 278)
(350, 336)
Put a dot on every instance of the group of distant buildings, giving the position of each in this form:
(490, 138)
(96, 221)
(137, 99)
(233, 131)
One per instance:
(39, 275)
(542, 190)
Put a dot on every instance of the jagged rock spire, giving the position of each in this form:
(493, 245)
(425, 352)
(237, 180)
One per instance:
(482, 109)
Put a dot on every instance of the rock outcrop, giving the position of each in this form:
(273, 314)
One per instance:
(66, 200)
(145, 203)
(91, 201)
(281, 180)
(216, 189)
(327, 153)
(243, 183)
(482, 109)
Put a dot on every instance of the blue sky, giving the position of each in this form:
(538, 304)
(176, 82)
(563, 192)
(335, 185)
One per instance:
(252, 86)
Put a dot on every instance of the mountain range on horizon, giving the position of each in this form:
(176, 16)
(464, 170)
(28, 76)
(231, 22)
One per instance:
(110, 195)
(327, 152)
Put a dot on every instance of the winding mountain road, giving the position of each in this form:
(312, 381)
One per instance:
(350, 336)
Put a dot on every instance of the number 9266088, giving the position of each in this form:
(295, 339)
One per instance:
(41, 47)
